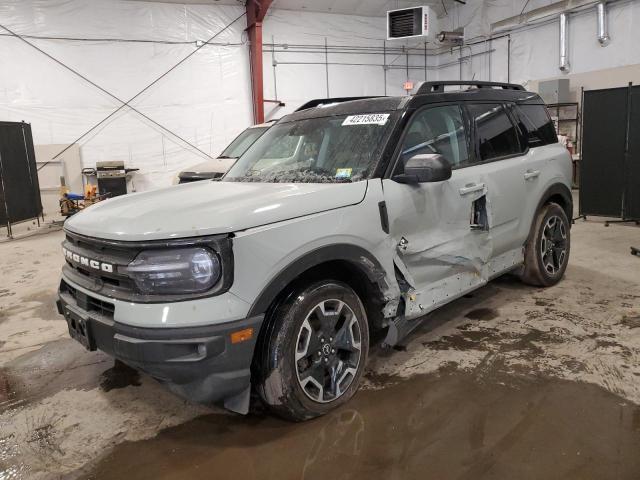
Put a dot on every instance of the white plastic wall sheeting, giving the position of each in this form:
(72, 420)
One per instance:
(535, 49)
(302, 75)
(297, 83)
(206, 100)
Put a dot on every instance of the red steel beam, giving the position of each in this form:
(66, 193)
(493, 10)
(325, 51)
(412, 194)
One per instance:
(256, 11)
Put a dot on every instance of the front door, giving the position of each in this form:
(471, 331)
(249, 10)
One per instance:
(440, 229)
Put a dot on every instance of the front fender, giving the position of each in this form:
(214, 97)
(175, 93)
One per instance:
(357, 256)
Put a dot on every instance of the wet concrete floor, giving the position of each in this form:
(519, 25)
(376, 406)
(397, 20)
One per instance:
(448, 425)
(509, 382)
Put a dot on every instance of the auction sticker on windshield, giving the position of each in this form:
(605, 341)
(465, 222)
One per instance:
(369, 119)
(343, 173)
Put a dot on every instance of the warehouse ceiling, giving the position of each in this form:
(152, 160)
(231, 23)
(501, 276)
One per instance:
(369, 8)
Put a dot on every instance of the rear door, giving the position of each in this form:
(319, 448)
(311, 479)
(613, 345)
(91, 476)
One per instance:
(502, 165)
(543, 164)
(440, 250)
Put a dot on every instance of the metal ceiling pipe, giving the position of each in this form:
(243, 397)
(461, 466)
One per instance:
(603, 29)
(564, 43)
(541, 15)
(456, 38)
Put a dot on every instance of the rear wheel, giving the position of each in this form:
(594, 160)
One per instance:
(547, 249)
(314, 351)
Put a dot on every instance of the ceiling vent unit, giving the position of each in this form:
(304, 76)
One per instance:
(411, 23)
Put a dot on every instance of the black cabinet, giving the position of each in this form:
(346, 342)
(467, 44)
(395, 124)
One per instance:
(610, 159)
(19, 188)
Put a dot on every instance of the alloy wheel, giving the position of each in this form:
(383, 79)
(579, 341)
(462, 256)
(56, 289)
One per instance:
(553, 245)
(328, 350)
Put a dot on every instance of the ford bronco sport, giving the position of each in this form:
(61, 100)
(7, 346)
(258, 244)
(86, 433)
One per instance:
(342, 218)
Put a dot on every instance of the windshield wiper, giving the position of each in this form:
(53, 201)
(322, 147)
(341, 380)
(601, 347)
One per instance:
(224, 157)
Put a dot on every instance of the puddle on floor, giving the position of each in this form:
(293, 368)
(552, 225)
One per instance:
(119, 376)
(446, 425)
(55, 366)
(41, 305)
(482, 314)
(8, 392)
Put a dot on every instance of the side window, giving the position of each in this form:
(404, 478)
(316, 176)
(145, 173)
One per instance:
(495, 133)
(436, 130)
(522, 126)
(540, 130)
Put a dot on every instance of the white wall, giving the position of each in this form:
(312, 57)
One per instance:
(607, 78)
(204, 100)
(297, 83)
(207, 100)
(534, 50)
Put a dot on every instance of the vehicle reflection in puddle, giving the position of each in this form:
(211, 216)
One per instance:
(449, 425)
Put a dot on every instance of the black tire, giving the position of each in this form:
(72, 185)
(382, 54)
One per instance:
(547, 249)
(298, 327)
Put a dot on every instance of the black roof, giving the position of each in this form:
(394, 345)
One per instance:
(327, 101)
(432, 92)
(350, 107)
(431, 87)
(477, 95)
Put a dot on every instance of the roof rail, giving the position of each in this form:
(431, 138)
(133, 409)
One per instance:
(438, 87)
(326, 101)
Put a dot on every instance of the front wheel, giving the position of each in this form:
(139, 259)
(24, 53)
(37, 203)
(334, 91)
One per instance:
(314, 351)
(547, 249)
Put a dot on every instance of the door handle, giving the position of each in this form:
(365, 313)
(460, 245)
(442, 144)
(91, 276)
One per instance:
(470, 188)
(529, 174)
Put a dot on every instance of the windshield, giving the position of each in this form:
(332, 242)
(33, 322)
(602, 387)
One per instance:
(316, 150)
(242, 142)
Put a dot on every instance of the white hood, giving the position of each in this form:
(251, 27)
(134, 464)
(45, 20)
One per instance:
(209, 207)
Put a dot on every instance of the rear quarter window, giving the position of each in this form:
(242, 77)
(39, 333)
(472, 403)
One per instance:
(537, 123)
(496, 135)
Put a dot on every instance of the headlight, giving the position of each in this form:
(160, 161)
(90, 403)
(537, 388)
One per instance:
(175, 271)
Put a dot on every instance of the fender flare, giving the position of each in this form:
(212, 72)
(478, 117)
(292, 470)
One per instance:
(358, 256)
(551, 191)
(558, 189)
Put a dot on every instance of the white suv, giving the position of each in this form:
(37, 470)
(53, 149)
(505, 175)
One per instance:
(216, 168)
(342, 218)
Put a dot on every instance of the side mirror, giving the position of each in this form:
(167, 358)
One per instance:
(425, 168)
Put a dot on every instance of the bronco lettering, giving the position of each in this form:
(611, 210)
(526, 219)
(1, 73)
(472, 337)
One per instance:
(96, 265)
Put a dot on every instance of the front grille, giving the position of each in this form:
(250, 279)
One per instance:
(90, 256)
(111, 283)
(87, 302)
(115, 280)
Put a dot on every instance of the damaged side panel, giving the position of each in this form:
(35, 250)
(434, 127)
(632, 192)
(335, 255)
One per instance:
(437, 249)
(444, 237)
(276, 249)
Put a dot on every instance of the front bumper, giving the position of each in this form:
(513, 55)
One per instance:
(199, 363)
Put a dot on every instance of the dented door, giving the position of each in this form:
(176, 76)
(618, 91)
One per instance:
(440, 249)
(432, 227)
